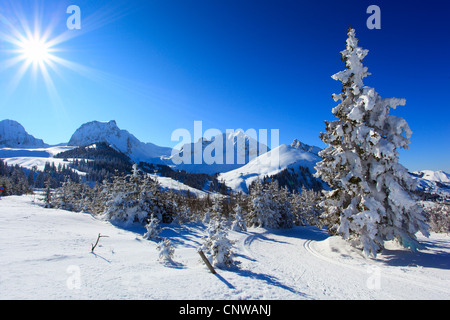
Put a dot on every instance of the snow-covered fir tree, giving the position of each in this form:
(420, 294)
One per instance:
(68, 196)
(261, 213)
(152, 228)
(216, 210)
(216, 245)
(120, 206)
(239, 220)
(47, 196)
(370, 201)
(166, 250)
(183, 214)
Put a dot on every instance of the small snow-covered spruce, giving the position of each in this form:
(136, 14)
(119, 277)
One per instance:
(371, 200)
(47, 197)
(239, 220)
(261, 207)
(152, 228)
(166, 250)
(216, 245)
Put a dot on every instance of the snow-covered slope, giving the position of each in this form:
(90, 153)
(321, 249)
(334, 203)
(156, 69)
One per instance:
(434, 182)
(30, 158)
(13, 135)
(290, 156)
(172, 184)
(436, 176)
(46, 254)
(121, 140)
(210, 156)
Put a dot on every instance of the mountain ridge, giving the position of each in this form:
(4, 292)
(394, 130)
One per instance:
(289, 156)
(121, 140)
(17, 146)
(14, 135)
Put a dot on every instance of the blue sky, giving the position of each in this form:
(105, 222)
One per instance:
(158, 65)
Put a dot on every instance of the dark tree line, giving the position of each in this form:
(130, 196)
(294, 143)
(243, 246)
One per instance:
(294, 180)
(17, 180)
(13, 180)
(99, 161)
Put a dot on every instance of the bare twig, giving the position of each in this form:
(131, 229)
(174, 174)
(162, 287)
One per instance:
(98, 238)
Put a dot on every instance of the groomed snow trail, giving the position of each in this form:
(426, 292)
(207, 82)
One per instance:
(322, 267)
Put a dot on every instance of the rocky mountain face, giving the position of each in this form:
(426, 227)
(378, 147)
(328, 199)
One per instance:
(121, 140)
(13, 135)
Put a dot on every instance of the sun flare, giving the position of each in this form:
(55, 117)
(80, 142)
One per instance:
(32, 45)
(35, 50)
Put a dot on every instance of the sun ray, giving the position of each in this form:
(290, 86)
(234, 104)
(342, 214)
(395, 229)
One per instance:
(14, 82)
(57, 102)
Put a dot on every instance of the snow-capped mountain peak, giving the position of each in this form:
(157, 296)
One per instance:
(13, 135)
(268, 164)
(121, 140)
(305, 147)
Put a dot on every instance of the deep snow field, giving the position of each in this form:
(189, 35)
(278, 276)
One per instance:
(46, 254)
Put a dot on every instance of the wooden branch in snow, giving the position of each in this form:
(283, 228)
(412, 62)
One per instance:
(206, 261)
(98, 238)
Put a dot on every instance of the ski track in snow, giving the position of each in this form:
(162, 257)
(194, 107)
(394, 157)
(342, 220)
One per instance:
(318, 276)
(426, 283)
(43, 249)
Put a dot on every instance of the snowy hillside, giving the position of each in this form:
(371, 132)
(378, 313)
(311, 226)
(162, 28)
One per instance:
(291, 156)
(13, 135)
(239, 147)
(436, 176)
(296, 263)
(171, 184)
(121, 140)
(33, 157)
(434, 182)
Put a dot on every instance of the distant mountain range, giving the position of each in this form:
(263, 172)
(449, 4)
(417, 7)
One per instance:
(251, 159)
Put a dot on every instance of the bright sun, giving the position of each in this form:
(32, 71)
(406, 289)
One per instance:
(35, 50)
